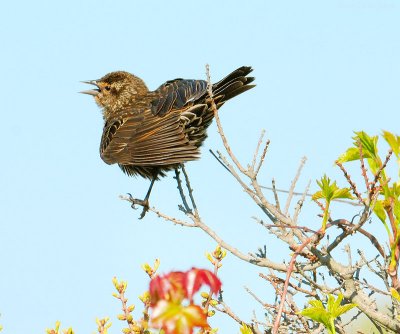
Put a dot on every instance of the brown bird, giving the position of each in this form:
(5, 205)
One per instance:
(148, 133)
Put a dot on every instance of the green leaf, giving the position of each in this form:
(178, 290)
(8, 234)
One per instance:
(335, 307)
(396, 210)
(368, 144)
(369, 151)
(245, 330)
(330, 191)
(374, 164)
(352, 153)
(396, 189)
(342, 193)
(380, 211)
(393, 141)
(395, 294)
(317, 195)
(327, 316)
(319, 314)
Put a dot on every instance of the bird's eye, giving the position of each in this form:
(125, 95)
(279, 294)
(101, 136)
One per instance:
(107, 88)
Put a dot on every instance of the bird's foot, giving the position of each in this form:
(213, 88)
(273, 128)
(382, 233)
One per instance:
(143, 203)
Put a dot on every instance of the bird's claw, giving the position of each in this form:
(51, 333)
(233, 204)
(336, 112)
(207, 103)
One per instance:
(144, 211)
(140, 202)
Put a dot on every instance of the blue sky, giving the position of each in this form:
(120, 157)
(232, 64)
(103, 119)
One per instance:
(323, 69)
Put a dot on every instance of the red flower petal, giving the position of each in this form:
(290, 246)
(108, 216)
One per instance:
(178, 285)
(167, 287)
(195, 278)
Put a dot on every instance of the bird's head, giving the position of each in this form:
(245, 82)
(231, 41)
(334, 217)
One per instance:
(116, 90)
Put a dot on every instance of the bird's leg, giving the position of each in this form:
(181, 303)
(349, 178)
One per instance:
(144, 202)
(185, 208)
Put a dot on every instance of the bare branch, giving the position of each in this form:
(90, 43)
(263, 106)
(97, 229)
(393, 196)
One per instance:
(363, 168)
(253, 164)
(318, 235)
(351, 183)
(219, 126)
(293, 185)
(300, 203)
(262, 158)
(219, 160)
(379, 172)
(274, 190)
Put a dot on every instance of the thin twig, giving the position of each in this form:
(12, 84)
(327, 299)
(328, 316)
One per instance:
(239, 179)
(218, 121)
(378, 174)
(363, 169)
(219, 160)
(256, 298)
(160, 214)
(253, 164)
(293, 185)
(375, 289)
(268, 226)
(171, 219)
(262, 158)
(351, 183)
(274, 190)
(318, 235)
(308, 195)
(300, 203)
(350, 228)
(227, 310)
(295, 287)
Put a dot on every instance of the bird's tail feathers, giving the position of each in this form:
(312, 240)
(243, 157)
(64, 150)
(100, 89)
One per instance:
(232, 85)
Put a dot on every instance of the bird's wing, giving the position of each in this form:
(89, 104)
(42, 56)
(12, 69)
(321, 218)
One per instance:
(177, 94)
(143, 139)
(190, 98)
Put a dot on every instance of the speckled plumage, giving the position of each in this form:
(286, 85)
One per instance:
(148, 133)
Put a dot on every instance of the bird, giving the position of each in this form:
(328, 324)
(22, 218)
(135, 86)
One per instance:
(148, 133)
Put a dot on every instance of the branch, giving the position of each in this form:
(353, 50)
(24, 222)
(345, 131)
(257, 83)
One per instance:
(219, 126)
(318, 235)
(293, 185)
(344, 224)
(308, 195)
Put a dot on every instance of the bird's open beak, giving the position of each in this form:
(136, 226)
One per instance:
(92, 92)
